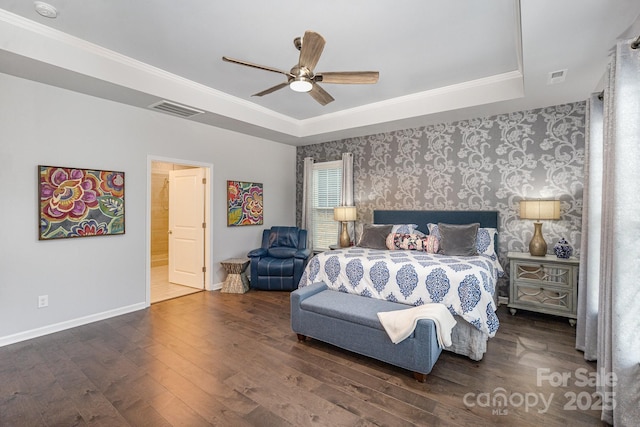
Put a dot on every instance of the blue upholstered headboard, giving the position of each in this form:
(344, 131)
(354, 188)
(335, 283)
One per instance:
(487, 219)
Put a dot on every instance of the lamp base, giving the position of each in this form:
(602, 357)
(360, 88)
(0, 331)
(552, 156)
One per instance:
(345, 240)
(537, 245)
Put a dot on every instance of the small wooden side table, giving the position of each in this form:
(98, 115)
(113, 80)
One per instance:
(236, 281)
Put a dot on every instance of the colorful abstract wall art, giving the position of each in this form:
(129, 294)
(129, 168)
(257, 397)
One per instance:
(80, 202)
(244, 203)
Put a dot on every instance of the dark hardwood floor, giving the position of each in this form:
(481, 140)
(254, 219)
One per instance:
(232, 360)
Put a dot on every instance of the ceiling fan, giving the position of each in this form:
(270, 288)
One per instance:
(301, 77)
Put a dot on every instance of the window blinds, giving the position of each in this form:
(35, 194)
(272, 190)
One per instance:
(327, 184)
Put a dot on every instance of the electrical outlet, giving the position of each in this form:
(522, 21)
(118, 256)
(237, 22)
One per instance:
(43, 301)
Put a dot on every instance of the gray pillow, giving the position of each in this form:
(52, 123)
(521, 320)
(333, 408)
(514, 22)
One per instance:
(374, 236)
(458, 239)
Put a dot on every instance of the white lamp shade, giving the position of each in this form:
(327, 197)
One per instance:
(344, 213)
(540, 209)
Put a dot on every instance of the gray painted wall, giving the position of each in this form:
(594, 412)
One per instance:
(487, 163)
(100, 276)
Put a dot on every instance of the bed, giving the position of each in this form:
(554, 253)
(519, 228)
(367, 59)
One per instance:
(465, 284)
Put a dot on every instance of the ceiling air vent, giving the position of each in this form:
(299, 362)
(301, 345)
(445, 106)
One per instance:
(556, 76)
(175, 109)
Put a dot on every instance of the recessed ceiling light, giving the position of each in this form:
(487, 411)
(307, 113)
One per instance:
(45, 9)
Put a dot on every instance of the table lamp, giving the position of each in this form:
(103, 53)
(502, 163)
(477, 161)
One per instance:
(537, 210)
(344, 214)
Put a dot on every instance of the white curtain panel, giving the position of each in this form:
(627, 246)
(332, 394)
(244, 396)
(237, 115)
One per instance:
(307, 197)
(589, 276)
(347, 188)
(619, 305)
(606, 243)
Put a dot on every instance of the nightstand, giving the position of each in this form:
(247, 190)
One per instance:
(545, 284)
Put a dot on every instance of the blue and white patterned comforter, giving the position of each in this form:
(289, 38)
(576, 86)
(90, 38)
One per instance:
(464, 284)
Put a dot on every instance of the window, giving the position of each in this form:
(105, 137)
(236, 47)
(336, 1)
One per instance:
(327, 185)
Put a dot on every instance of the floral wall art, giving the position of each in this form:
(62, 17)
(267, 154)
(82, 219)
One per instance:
(244, 203)
(78, 202)
(488, 163)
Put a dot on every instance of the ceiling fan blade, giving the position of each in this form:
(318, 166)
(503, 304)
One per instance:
(348, 77)
(271, 89)
(320, 95)
(312, 46)
(249, 64)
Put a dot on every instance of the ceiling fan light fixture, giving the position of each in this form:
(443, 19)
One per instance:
(301, 77)
(300, 84)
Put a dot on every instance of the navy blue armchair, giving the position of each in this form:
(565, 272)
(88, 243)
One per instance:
(279, 263)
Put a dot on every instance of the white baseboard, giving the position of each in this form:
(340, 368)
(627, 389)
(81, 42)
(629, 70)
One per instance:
(503, 300)
(216, 286)
(57, 327)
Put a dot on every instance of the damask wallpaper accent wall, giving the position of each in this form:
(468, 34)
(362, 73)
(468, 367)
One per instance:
(487, 163)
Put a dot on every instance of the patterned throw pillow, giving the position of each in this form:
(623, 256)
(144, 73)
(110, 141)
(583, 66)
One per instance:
(415, 242)
(485, 240)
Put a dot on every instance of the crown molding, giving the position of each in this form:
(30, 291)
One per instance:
(38, 42)
(490, 89)
(42, 44)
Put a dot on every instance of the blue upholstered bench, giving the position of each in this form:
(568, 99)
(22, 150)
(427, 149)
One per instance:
(351, 322)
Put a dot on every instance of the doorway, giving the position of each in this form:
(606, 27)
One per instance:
(179, 234)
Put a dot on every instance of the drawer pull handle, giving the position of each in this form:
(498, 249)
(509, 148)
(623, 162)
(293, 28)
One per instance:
(544, 274)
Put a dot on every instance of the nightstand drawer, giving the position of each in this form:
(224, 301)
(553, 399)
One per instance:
(539, 274)
(551, 299)
(545, 284)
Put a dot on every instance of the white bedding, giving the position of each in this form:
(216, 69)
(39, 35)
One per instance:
(464, 284)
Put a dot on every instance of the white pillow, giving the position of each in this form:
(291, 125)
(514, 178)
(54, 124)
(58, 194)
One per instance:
(404, 228)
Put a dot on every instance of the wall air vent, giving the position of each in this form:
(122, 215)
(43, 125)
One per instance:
(556, 76)
(175, 109)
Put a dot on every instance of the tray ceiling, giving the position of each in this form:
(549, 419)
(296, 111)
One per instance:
(438, 60)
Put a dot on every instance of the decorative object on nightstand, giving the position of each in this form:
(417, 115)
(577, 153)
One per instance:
(236, 281)
(544, 284)
(344, 214)
(537, 210)
(563, 249)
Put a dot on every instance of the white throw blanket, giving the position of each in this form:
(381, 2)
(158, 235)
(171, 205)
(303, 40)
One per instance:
(399, 324)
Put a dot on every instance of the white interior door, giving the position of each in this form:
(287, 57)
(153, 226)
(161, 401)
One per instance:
(186, 227)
